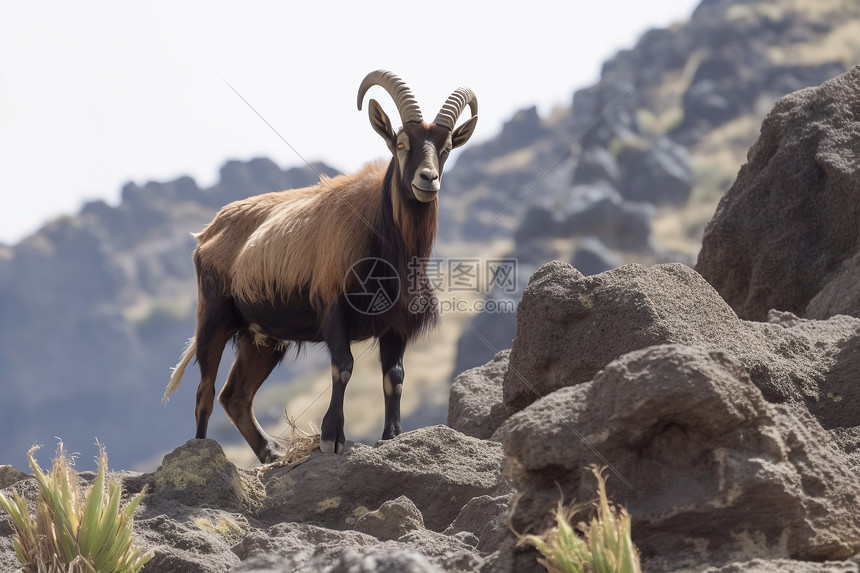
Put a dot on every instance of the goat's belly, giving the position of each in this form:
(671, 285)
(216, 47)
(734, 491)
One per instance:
(282, 322)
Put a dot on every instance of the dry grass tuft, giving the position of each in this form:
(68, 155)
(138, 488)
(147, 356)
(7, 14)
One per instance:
(300, 444)
(603, 545)
(72, 532)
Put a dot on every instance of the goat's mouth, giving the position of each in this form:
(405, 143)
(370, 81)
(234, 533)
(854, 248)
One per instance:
(424, 195)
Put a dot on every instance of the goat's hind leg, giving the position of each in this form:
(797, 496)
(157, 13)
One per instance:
(213, 331)
(253, 365)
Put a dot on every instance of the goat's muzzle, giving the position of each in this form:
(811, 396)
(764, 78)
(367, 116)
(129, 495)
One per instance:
(425, 184)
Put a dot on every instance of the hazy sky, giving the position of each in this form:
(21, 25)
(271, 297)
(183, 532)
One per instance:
(94, 94)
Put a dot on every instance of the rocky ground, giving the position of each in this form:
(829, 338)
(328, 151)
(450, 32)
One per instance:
(733, 443)
(703, 418)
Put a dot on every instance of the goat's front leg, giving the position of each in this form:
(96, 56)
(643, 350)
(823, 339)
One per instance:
(336, 335)
(391, 349)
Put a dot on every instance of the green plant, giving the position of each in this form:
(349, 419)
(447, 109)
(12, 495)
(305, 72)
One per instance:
(602, 546)
(74, 533)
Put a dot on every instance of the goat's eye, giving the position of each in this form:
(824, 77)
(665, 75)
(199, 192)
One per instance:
(401, 145)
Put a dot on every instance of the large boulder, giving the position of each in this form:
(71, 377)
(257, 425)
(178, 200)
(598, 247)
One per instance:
(696, 454)
(786, 235)
(571, 326)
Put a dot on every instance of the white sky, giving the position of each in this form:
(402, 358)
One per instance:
(94, 94)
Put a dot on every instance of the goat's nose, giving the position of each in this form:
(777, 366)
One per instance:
(429, 175)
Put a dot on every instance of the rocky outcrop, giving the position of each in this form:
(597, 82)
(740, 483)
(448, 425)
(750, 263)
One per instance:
(667, 125)
(658, 174)
(715, 428)
(437, 468)
(429, 500)
(711, 471)
(731, 443)
(802, 172)
(571, 326)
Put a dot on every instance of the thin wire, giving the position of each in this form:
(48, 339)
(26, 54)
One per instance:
(557, 414)
(312, 168)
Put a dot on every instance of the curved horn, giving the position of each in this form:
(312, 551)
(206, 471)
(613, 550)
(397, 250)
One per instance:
(407, 106)
(453, 107)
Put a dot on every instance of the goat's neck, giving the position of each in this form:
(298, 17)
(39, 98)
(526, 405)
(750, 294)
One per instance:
(415, 222)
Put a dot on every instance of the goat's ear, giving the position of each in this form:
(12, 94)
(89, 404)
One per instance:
(462, 134)
(381, 124)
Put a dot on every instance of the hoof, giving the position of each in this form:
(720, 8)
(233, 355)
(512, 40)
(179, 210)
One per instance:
(331, 447)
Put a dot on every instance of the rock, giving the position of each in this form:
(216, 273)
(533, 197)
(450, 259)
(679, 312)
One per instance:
(802, 182)
(570, 327)
(199, 474)
(202, 514)
(840, 295)
(343, 560)
(475, 405)
(8, 561)
(596, 209)
(392, 520)
(593, 257)
(523, 128)
(438, 468)
(658, 174)
(487, 519)
(537, 223)
(599, 210)
(705, 106)
(304, 548)
(351, 561)
(295, 544)
(448, 552)
(848, 440)
(698, 457)
(10, 475)
(509, 558)
(597, 164)
(785, 566)
(183, 546)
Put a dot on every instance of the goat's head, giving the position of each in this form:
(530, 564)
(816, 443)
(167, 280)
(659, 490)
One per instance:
(419, 149)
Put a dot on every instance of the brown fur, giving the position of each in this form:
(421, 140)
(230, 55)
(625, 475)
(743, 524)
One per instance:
(280, 243)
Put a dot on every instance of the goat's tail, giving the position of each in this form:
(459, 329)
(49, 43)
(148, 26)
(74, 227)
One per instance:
(179, 369)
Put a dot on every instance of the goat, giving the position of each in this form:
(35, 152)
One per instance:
(283, 268)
